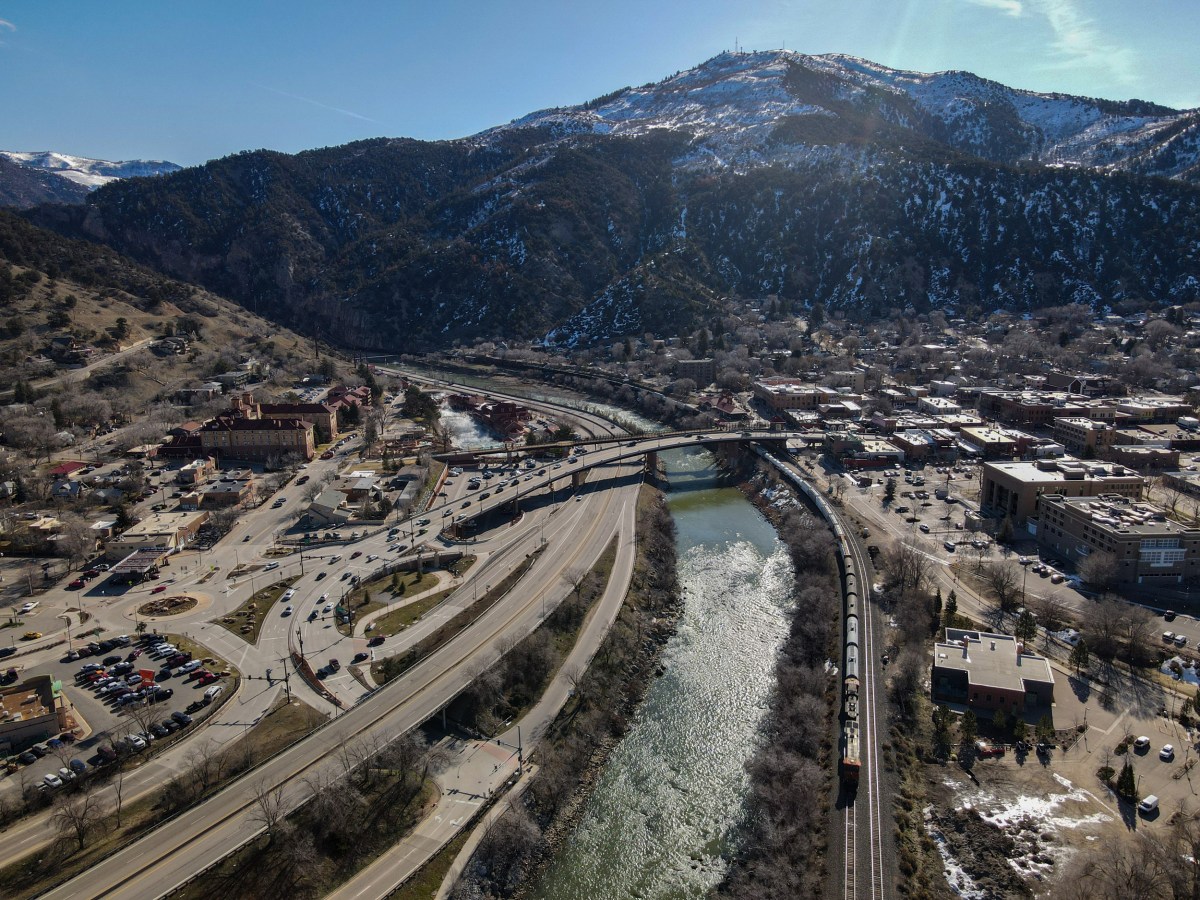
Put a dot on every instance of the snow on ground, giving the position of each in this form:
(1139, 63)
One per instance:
(1187, 673)
(1037, 823)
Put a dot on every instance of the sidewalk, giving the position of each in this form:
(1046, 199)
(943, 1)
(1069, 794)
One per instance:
(482, 771)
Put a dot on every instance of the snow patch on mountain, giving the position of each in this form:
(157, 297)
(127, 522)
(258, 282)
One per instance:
(91, 173)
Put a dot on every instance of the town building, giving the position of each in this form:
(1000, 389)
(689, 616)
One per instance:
(1150, 548)
(938, 406)
(197, 471)
(31, 711)
(1041, 408)
(990, 672)
(1011, 489)
(228, 437)
(701, 371)
(1082, 435)
(780, 393)
(169, 531)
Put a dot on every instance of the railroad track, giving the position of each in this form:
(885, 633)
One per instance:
(850, 856)
(874, 886)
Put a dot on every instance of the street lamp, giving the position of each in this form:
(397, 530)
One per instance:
(67, 619)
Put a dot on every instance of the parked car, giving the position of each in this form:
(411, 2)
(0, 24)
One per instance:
(182, 718)
(52, 780)
(78, 766)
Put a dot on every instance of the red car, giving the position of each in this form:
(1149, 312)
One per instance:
(328, 454)
(206, 678)
(76, 584)
(159, 589)
(356, 554)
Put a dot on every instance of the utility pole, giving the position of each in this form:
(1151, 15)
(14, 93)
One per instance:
(287, 686)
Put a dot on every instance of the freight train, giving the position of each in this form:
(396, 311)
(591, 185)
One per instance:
(851, 761)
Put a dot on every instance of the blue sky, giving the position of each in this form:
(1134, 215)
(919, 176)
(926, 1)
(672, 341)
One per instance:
(193, 81)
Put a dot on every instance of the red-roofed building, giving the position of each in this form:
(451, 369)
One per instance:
(67, 469)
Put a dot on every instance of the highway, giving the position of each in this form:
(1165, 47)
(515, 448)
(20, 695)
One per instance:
(179, 849)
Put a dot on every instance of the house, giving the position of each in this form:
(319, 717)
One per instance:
(66, 469)
(990, 672)
(328, 508)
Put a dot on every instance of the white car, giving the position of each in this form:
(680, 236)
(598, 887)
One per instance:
(1167, 753)
(269, 566)
(29, 607)
(328, 608)
(53, 780)
(136, 742)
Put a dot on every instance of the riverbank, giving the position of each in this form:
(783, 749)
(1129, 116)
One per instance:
(577, 745)
(784, 845)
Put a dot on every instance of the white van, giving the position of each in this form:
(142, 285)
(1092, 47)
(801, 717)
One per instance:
(288, 594)
(1148, 805)
(213, 692)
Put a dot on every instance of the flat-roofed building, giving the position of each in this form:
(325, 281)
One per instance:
(1080, 435)
(1041, 408)
(990, 443)
(701, 371)
(169, 531)
(1186, 439)
(31, 711)
(1149, 546)
(1012, 488)
(990, 672)
(1151, 408)
(938, 406)
(781, 393)
(1146, 458)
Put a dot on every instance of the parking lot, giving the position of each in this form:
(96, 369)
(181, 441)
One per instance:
(132, 695)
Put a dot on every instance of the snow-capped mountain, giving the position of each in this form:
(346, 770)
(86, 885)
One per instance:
(812, 178)
(91, 173)
(735, 104)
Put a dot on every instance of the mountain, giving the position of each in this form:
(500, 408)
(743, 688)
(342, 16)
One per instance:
(817, 178)
(27, 179)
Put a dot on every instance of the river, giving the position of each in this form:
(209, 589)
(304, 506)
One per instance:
(666, 810)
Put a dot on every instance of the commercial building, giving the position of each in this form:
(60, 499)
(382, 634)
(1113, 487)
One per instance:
(30, 712)
(782, 393)
(1041, 408)
(1150, 548)
(167, 531)
(229, 490)
(701, 371)
(990, 672)
(234, 438)
(1081, 435)
(938, 406)
(1012, 489)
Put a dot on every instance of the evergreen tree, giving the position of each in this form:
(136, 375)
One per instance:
(1026, 628)
(1020, 730)
(1000, 721)
(1080, 656)
(968, 728)
(951, 609)
(1127, 781)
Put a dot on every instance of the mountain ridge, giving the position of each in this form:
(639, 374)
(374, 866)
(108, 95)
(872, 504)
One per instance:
(814, 178)
(46, 176)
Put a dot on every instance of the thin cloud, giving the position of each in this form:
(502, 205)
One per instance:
(4, 23)
(318, 103)
(1011, 7)
(1079, 43)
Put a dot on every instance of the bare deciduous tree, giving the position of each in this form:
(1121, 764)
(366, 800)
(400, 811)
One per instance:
(79, 814)
(270, 808)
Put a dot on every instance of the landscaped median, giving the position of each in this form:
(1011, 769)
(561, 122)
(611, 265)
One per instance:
(247, 620)
(392, 667)
(382, 592)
